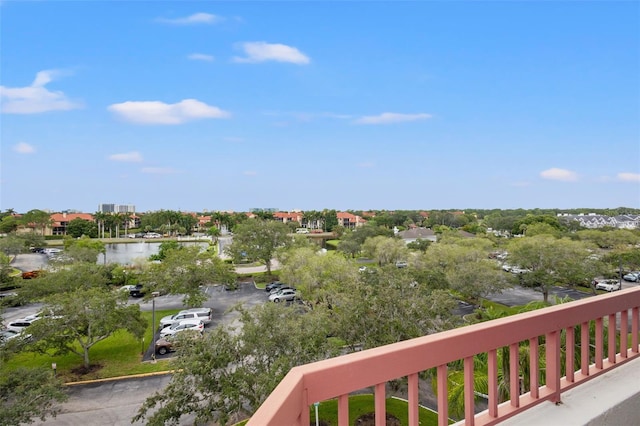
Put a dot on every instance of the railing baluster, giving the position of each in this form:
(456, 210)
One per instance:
(552, 346)
(534, 367)
(343, 410)
(413, 399)
(514, 374)
(570, 351)
(635, 324)
(492, 374)
(443, 401)
(611, 326)
(624, 333)
(380, 403)
(469, 396)
(289, 403)
(599, 343)
(585, 348)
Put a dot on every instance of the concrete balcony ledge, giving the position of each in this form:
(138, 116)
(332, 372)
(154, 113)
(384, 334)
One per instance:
(611, 399)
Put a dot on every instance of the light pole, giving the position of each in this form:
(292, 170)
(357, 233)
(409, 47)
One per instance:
(153, 321)
(316, 404)
(54, 367)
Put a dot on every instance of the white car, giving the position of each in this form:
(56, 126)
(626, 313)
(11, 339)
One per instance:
(188, 324)
(287, 294)
(608, 285)
(632, 276)
(203, 314)
(20, 324)
(6, 335)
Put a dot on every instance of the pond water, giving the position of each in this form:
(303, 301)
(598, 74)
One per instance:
(128, 253)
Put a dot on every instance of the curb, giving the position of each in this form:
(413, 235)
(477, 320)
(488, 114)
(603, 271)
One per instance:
(120, 378)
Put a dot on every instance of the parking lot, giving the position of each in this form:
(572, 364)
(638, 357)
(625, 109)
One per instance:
(220, 301)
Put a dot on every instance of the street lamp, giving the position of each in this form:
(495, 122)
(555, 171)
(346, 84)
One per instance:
(54, 367)
(316, 404)
(153, 320)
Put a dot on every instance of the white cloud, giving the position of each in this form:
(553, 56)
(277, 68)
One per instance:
(201, 57)
(629, 177)
(391, 117)
(559, 174)
(24, 148)
(249, 173)
(260, 51)
(156, 112)
(36, 98)
(159, 170)
(128, 157)
(196, 18)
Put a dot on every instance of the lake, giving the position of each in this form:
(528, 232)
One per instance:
(128, 253)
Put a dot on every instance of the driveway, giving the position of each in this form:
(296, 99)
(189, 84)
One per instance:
(518, 295)
(108, 403)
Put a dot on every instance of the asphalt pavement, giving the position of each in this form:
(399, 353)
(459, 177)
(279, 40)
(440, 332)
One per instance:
(108, 403)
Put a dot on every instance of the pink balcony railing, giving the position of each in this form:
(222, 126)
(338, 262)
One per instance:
(290, 402)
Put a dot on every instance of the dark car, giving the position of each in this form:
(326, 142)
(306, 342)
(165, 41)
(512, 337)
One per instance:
(173, 342)
(273, 286)
(137, 291)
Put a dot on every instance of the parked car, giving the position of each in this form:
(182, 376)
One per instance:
(173, 342)
(203, 314)
(187, 324)
(286, 287)
(137, 291)
(607, 285)
(152, 235)
(273, 285)
(401, 264)
(632, 276)
(302, 231)
(288, 295)
(20, 324)
(6, 335)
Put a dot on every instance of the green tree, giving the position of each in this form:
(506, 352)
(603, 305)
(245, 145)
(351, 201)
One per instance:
(419, 245)
(8, 224)
(385, 250)
(81, 310)
(78, 227)
(83, 249)
(36, 219)
(185, 271)
(330, 220)
(12, 244)
(351, 242)
(228, 374)
(29, 393)
(318, 277)
(550, 261)
(258, 240)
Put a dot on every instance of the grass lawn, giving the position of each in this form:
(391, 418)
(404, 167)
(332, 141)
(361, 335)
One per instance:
(119, 355)
(332, 243)
(364, 404)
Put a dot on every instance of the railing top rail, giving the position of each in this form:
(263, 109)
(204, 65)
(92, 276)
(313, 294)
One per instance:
(336, 376)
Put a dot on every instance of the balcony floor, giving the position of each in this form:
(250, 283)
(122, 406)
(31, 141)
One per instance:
(611, 399)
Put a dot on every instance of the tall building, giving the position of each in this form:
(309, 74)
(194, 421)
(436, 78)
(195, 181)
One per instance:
(129, 208)
(116, 208)
(106, 208)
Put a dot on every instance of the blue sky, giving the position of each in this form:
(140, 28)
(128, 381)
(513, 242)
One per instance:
(311, 105)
